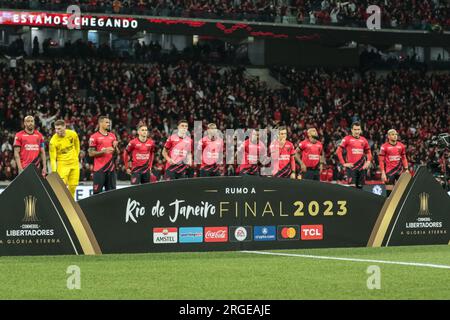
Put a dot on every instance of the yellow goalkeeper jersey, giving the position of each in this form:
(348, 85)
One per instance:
(64, 151)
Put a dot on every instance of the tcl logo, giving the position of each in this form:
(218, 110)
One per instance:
(312, 232)
(216, 234)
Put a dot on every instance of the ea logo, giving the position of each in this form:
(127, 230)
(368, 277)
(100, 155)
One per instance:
(377, 190)
(240, 234)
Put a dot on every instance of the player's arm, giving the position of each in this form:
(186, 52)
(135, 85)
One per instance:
(404, 160)
(340, 156)
(76, 143)
(322, 160)
(298, 158)
(166, 156)
(369, 156)
(52, 154)
(92, 151)
(17, 158)
(293, 166)
(126, 157)
(43, 157)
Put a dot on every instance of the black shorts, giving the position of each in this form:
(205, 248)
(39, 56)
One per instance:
(172, 175)
(140, 177)
(311, 174)
(104, 179)
(393, 178)
(250, 171)
(209, 173)
(357, 177)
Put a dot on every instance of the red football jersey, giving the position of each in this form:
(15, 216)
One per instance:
(251, 152)
(283, 162)
(30, 147)
(212, 152)
(311, 153)
(142, 154)
(98, 141)
(178, 149)
(357, 149)
(394, 156)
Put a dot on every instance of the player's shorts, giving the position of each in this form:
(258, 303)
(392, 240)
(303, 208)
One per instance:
(69, 174)
(357, 177)
(210, 171)
(177, 171)
(105, 180)
(311, 174)
(250, 171)
(392, 178)
(140, 177)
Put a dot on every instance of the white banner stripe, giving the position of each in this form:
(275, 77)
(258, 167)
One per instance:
(414, 264)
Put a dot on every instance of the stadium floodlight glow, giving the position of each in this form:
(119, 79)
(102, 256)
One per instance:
(34, 28)
(92, 31)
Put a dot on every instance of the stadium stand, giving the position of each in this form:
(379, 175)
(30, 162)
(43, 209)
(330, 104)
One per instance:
(170, 87)
(398, 14)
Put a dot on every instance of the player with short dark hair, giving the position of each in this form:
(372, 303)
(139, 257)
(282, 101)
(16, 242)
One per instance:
(358, 156)
(141, 152)
(312, 158)
(282, 154)
(251, 150)
(178, 153)
(102, 147)
(211, 148)
(392, 159)
(29, 147)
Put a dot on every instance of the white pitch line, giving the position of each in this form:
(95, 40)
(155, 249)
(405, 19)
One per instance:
(414, 264)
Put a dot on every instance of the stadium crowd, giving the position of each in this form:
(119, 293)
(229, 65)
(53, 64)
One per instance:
(162, 92)
(402, 14)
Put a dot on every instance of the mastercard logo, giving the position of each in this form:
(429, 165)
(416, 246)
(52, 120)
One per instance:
(288, 233)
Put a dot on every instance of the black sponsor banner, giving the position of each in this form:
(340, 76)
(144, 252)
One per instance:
(231, 213)
(423, 214)
(32, 222)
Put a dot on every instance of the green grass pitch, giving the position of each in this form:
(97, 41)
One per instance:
(231, 275)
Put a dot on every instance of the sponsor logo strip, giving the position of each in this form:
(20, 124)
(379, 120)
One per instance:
(264, 233)
(165, 235)
(190, 235)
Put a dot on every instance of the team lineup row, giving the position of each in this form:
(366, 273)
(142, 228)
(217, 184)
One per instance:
(353, 152)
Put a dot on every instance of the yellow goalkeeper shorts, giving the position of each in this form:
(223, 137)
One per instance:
(69, 174)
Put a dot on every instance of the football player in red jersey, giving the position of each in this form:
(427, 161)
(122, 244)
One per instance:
(142, 152)
(29, 147)
(211, 148)
(312, 157)
(392, 159)
(358, 156)
(102, 147)
(249, 155)
(282, 154)
(178, 153)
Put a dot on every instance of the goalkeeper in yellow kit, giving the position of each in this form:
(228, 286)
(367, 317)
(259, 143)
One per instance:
(64, 153)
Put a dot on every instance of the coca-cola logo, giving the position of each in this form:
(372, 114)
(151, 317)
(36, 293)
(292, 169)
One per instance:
(216, 234)
(221, 234)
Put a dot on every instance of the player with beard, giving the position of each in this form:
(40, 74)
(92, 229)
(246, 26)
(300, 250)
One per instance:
(103, 147)
(312, 157)
(29, 147)
(251, 150)
(392, 159)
